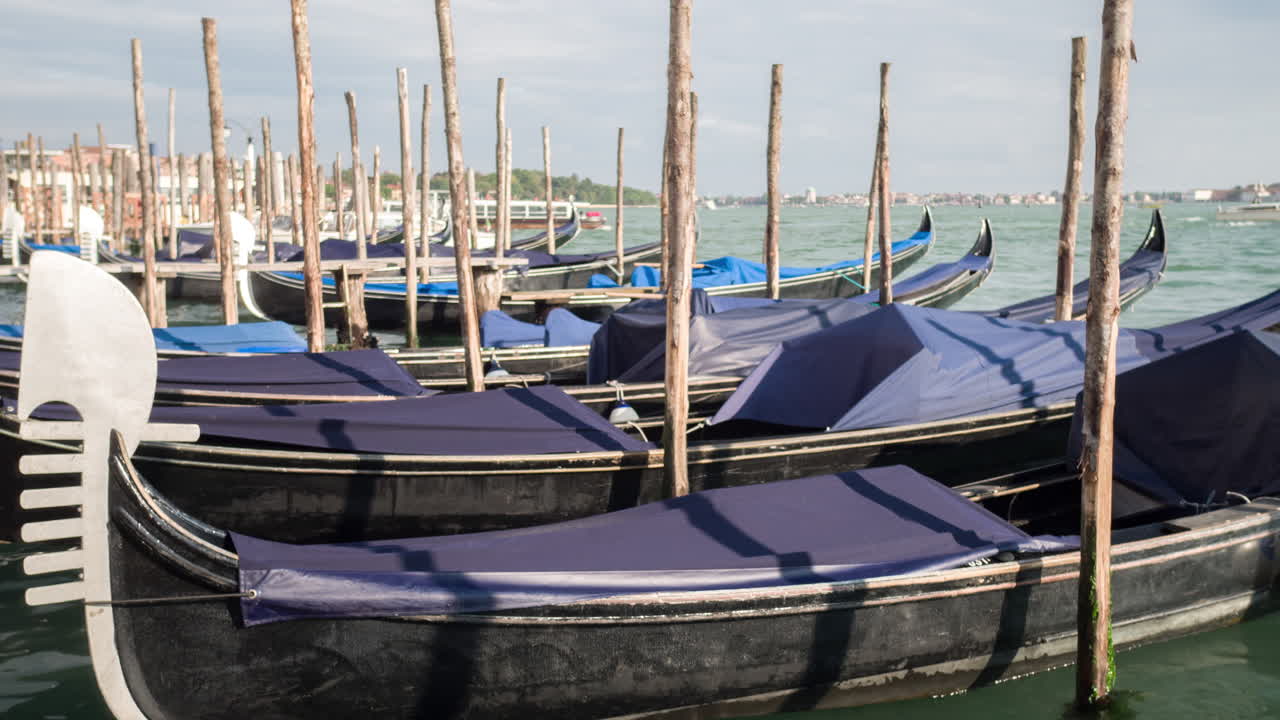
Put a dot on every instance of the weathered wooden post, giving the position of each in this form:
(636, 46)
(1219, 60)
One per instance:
(291, 186)
(32, 220)
(407, 181)
(118, 163)
(306, 146)
(104, 166)
(773, 202)
(473, 227)
(1094, 671)
(173, 188)
(375, 197)
(359, 186)
(886, 196)
(150, 299)
(510, 175)
(268, 202)
(250, 186)
(546, 171)
(617, 216)
(693, 169)
(46, 194)
(221, 180)
(500, 172)
(425, 200)
(461, 250)
(664, 212)
(679, 233)
(1071, 190)
(338, 192)
(873, 205)
(75, 191)
(204, 178)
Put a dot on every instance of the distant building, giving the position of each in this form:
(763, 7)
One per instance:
(1197, 196)
(810, 196)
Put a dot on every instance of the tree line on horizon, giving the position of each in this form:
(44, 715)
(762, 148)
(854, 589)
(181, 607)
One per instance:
(530, 185)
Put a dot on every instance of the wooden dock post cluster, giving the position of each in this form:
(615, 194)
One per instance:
(678, 189)
(1071, 188)
(1095, 672)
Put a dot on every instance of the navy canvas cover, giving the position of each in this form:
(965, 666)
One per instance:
(509, 421)
(349, 372)
(255, 337)
(500, 330)
(564, 329)
(1193, 426)
(631, 332)
(927, 364)
(833, 528)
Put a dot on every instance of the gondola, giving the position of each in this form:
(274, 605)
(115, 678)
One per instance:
(318, 489)
(939, 286)
(1138, 275)
(749, 600)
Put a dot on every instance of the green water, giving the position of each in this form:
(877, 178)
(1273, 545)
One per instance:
(1230, 673)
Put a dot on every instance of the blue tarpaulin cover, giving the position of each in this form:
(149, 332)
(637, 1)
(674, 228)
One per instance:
(927, 364)
(564, 329)
(352, 372)
(259, 337)
(736, 271)
(509, 421)
(833, 528)
(1195, 425)
(561, 329)
(632, 331)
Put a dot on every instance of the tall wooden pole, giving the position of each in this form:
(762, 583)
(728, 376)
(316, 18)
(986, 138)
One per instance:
(617, 215)
(306, 146)
(33, 216)
(1095, 673)
(268, 199)
(773, 203)
(425, 200)
(184, 192)
(338, 191)
(546, 171)
(46, 194)
(104, 163)
(118, 163)
(472, 225)
(680, 236)
(1071, 190)
(500, 165)
(886, 196)
(358, 183)
(150, 303)
(76, 178)
(664, 198)
(693, 169)
(375, 196)
(221, 176)
(291, 184)
(873, 205)
(250, 186)
(457, 192)
(173, 186)
(407, 182)
(506, 230)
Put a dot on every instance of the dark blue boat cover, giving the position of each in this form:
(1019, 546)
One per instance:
(509, 421)
(1142, 269)
(934, 276)
(737, 271)
(349, 372)
(259, 337)
(928, 364)
(631, 332)
(564, 329)
(833, 528)
(1195, 425)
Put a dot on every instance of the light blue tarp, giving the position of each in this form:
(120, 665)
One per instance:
(736, 271)
(260, 337)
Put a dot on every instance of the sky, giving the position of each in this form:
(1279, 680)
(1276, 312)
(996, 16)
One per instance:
(978, 90)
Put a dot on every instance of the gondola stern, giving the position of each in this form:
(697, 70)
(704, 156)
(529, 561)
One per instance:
(1155, 238)
(984, 245)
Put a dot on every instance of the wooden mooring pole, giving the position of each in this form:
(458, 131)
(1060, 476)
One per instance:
(679, 185)
(873, 205)
(338, 191)
(268, 201)
(425, 199)
(104, 166)
(407, 182)
(46, 198)
(1094, 671)
(501, 207)
(375, 196)
(546, 171)
(1071, 189)
(221, 177)
(306, 145)
(150, 289)
(173, 186)
(359, 185)
(771, 181)
(291, 184)
(886, 195)
(76, 179)
(617, 216)
(118, 164)
(33, 215)
(457, 193)
(473, 226)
